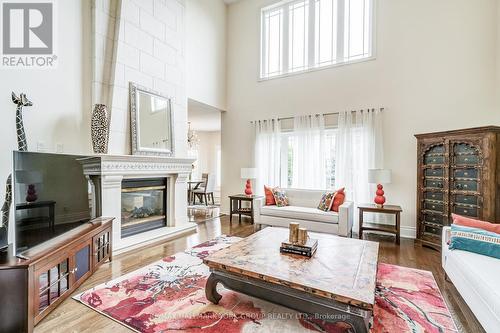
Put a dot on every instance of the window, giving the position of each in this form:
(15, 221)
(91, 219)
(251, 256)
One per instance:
(302, 35)
(286, 165)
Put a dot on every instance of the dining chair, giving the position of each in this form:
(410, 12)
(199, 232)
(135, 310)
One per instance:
(206, 192)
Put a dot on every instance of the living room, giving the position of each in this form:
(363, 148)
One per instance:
(352, 183)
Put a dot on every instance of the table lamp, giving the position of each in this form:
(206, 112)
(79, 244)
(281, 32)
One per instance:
(248, 173)
(379, 177)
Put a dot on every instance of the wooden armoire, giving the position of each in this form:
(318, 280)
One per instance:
(458, 172)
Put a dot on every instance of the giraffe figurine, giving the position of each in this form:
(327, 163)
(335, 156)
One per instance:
(22, 145)
(21, 102)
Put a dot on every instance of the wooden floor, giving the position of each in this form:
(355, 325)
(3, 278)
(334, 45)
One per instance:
(72, 316)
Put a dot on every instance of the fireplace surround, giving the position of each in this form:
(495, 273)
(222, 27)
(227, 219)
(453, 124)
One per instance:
(111, 174)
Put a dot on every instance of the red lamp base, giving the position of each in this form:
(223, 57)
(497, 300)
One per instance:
(379, 196)
(248, 188)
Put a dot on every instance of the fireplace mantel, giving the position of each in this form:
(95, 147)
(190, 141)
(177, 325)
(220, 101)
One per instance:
(107, 173)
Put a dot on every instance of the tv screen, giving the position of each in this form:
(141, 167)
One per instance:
(51, 197)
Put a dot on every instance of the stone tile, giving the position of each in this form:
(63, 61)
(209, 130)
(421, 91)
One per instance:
(165, 14)
(120, 97)
(164, 52)
(152, 66)
(133, 75)
(128, 55)
(130, 12)
(138, 38)
(152, 25)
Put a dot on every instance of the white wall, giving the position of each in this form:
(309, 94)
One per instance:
(61, 97)
(206, 51)
(207, 152)
(435, 69)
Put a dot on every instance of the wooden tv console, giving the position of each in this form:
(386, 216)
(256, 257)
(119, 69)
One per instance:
(31, 288)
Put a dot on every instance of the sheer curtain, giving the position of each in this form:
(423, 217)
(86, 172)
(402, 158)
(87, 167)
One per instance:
(267, 153)
(308, 141)
(359, 147)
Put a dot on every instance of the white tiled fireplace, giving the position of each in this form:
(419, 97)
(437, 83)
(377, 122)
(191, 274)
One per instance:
(108, 172)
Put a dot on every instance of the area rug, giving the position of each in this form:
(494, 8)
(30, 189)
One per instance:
(169, 296)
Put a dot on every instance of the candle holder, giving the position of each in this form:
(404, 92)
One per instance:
(294, 233)
(302, 238)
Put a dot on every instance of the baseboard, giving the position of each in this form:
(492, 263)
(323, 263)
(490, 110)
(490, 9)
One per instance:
(408, 232)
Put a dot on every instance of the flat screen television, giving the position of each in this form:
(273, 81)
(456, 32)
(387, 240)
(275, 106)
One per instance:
(51, 196)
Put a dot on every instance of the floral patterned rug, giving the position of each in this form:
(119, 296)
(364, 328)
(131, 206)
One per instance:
(169, 296)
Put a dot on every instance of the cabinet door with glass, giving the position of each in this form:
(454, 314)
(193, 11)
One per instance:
(81, 263)
(102, 247)
(52, 280)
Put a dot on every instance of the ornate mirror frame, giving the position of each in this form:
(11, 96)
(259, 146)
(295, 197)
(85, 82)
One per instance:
(135, 129)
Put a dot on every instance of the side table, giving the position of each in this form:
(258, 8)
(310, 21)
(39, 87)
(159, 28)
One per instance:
(386, 209)
(236, 207)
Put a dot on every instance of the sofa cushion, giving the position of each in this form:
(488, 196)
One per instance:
(301, 213)
(269, 196)
(475, 240)
(326, 201)
(338, 199)
(483, 281)
(280, 197)
(473, 223)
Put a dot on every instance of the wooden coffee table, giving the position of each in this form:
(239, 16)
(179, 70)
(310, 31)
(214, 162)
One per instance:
(336, 284)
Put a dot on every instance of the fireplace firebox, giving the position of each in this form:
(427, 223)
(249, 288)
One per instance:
(144, 205)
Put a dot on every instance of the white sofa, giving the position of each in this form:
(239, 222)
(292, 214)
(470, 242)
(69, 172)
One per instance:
(476, 278)
(303, 209)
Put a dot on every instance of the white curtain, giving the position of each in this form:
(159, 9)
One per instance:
(359, 147)
(267, 153)
(308, 161)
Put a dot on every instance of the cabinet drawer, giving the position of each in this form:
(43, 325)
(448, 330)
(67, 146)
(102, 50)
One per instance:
(435, 206)
(467, 199)
(437, 219)
(466, 173)
(466, 159)
(434, 159)
(438, 172)
(466, 185)
(466, 211)
(432, 229)
(433, 183)
(434, 195)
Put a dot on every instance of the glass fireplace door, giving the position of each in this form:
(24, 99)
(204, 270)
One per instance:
(143, 206)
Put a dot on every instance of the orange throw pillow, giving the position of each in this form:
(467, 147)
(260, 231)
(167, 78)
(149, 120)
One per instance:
(473, 223)
(338, 199)
(269, 196)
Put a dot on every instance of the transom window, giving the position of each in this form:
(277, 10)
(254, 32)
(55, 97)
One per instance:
(301, 35)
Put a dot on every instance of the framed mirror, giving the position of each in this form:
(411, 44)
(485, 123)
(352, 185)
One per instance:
(151, 120)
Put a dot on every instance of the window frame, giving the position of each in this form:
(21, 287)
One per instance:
(312, 67)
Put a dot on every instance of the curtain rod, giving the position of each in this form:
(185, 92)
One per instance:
(324, 114)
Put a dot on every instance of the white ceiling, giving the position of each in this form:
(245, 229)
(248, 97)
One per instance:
(228, 2)
(203, 117)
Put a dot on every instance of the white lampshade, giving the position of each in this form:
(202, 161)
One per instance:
(379, 176)
(248, 173)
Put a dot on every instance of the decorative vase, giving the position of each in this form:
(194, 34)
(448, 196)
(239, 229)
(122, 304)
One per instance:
(379, 198)
(248, 188)
(100, 129)
(31, 195)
